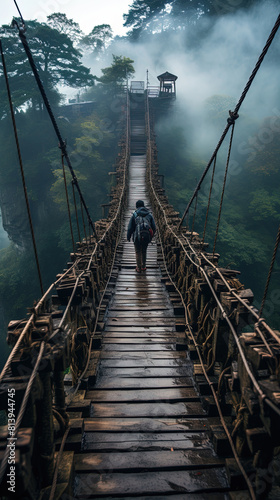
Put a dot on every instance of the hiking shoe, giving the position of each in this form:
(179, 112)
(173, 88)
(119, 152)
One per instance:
(144, 268)
(138, 270)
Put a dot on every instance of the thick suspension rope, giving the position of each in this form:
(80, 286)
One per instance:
(21, 30)
(234, 114)
(21, 168)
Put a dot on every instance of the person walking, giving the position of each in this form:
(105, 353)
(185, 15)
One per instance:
(142, 228)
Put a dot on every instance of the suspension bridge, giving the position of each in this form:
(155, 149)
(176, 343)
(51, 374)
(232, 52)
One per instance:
(173, 387)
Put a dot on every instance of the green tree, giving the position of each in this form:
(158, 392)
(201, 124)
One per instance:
(141, 14)
(98, 39)
(120, 70)
(58, 63)
(68, 27)
(152, 16)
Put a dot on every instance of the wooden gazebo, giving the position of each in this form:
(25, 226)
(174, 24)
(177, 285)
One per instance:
(167, 84)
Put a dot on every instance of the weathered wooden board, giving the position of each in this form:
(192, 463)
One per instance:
(130, 355)
(134, 314)
(142, 340)
(165, 483)
(141, 321)
(185, 496)
(147, 460)
(141, 383)
(138, 329)
(139, 347)
(191, 439)
(175, 410)
(144, 362)
(148, 372)
(143, 395)
(137, 335)
(145, 424)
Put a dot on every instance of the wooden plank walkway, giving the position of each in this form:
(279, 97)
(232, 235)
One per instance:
(147, 435)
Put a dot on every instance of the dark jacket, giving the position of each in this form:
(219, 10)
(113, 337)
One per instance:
(143, 211)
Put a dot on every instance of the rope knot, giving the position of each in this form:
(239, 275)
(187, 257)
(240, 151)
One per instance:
(232, 117)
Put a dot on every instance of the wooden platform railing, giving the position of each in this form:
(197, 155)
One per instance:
(230, 344)
(59, 333)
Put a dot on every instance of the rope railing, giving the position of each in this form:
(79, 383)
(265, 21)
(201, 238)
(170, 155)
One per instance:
(192, 271)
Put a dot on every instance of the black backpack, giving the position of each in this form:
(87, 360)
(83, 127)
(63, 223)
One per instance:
(143, 230)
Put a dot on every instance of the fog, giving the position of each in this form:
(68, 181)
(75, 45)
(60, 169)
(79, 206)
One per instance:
(211, 58)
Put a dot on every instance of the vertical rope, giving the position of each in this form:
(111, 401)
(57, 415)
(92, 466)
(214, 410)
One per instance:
(194, 215)
(209, 199)
(21, 168)
(270, 271)
(223, 190)
(67, 201)
(84, 225)
(76, 213)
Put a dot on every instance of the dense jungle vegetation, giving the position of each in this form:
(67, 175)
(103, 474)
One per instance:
(66, 57)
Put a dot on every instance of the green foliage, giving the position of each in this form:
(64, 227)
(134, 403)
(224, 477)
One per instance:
(120, 70)
(263, 205)
(154, 16)
(58, 62)
(98, 39)
(62, 24)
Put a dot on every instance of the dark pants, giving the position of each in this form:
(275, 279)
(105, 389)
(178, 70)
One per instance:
(141, 254)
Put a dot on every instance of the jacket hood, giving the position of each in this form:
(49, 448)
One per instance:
(142, 211)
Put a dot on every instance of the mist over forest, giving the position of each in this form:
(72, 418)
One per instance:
(212, 47)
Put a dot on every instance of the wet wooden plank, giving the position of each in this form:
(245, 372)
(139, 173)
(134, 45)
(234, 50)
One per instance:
(141, 383)
(148, 372)
(142, 340)
(137, 335)
(130, 355)
(190, 439)
(140, 305)
(147, 460)
(141, 294)
(185, 496)
(163, 410)
(144, 395)
(164, 483)
(135, 314)
(145, 424)
(139, 329)
(144, 362)
(138, 347)
(141, 321)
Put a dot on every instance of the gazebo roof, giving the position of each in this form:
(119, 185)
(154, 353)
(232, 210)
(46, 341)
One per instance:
(167, 76)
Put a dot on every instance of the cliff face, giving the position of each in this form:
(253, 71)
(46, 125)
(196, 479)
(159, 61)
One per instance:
(14, 215)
